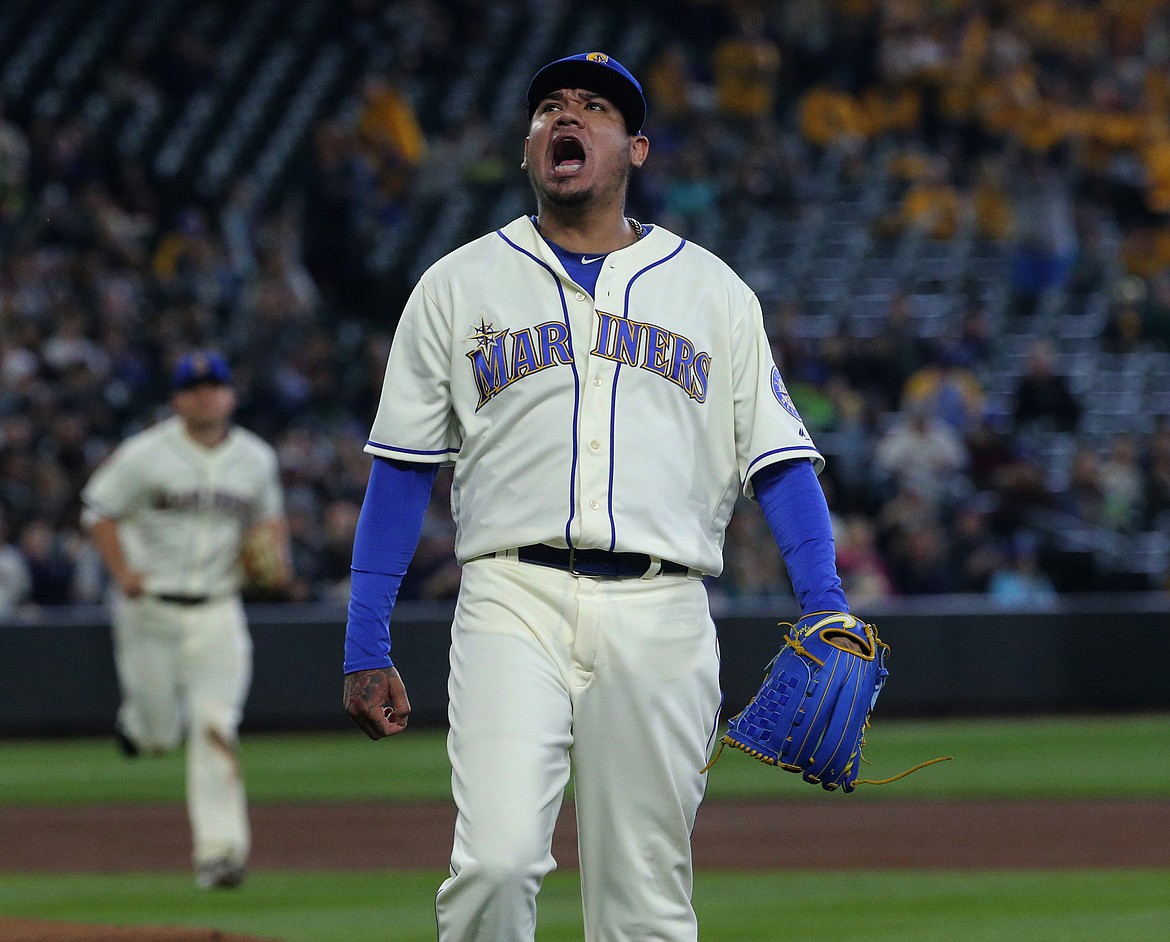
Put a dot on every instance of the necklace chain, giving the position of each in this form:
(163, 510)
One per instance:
(639, 229)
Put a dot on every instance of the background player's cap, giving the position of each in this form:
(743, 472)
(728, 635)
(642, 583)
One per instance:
(202, 366)
(597, 72)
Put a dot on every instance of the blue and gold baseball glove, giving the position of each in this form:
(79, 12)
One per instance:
(811, 712)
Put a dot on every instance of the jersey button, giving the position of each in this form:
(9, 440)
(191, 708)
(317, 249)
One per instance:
(580, 296)
(596, 380)
(595, 444)
(593, 505)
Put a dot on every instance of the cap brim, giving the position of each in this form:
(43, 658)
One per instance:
(201, 381)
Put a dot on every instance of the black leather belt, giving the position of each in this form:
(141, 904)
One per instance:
(183, 599)
(594, 562)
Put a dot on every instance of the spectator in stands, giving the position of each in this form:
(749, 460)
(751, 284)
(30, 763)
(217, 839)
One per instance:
(304, 545)
(188, 264)
(922, 453)
(989, 449)
(968, 343)
(691, 194)
(437, 574)
(14, 167)
(340, 212)
(880, 366)
(336, 551)
(863, 571)
(390, 134)
(746, 65)
(919, 562)
(948, 389)
(765, 178)
(15, 576)
(853, 443)
(932, 206)
(1156, 492)
(1124, 330)
(1044, 233)
(1020, 486)
(1156, 311)
(975, 552)
(749, 572)
(1083, 497)
(50, 567)
(1122, 485)
(672, 85)
(830, 116)
(1043, 398)
(1020, 581)
(992, 203)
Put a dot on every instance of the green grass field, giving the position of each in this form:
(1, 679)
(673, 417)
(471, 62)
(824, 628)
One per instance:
(1110, 906)
(1083, 757)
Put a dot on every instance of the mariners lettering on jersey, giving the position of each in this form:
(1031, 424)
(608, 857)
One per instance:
(650, 347)
(201, 500)
(502, 357)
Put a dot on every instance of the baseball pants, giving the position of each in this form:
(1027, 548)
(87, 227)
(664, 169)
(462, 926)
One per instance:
(614, 681)
(188, 669)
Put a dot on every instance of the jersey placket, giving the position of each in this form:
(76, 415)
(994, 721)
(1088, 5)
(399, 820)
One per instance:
(593, 442)
(202, 526)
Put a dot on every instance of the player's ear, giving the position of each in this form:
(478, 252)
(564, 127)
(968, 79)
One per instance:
(524, 159)
(639, 150)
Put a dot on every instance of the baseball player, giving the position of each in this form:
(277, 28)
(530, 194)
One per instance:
(604, 390)
(168, 511)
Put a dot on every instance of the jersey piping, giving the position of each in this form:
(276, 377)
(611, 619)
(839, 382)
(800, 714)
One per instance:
(613, 399)
(576, 381)
(808, 451)
(412, 451)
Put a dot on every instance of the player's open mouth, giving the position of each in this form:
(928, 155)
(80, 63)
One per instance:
(568, 155)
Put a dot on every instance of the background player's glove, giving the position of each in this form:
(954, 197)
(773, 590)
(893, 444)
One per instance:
(810, 714)
(266, 573)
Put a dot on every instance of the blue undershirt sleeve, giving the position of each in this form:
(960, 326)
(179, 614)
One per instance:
(794, 506)
(388, 531)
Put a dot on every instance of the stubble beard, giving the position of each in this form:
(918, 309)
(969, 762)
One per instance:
(547, 196)
(574, 199)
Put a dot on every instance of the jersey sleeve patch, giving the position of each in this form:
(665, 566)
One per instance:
(780, 391)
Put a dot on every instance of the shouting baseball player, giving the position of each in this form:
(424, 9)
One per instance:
(604, 389)
(169, 511)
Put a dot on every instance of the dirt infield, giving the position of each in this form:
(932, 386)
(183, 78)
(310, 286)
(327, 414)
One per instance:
(832, 833)
(35, 930)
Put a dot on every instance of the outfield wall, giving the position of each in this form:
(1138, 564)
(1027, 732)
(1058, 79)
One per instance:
(952, 655)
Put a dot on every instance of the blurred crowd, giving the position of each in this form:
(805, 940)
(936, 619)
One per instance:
(1036, 124)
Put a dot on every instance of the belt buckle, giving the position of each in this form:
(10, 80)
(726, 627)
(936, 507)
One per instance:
(573, 570)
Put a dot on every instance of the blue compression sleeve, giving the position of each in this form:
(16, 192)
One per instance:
(794, 506)
(387, 535)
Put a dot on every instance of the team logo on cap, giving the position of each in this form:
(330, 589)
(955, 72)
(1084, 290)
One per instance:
(200, 365)
(597, 57)
(780, 391)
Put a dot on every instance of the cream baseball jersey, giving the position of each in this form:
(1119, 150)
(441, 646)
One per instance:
(627, 422)
(182, 508)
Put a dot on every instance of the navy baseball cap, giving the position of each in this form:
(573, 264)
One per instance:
(202, 366)
(598, 73)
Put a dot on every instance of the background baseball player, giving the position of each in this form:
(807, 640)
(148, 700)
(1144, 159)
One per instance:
(169, 511)
(604, 390)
